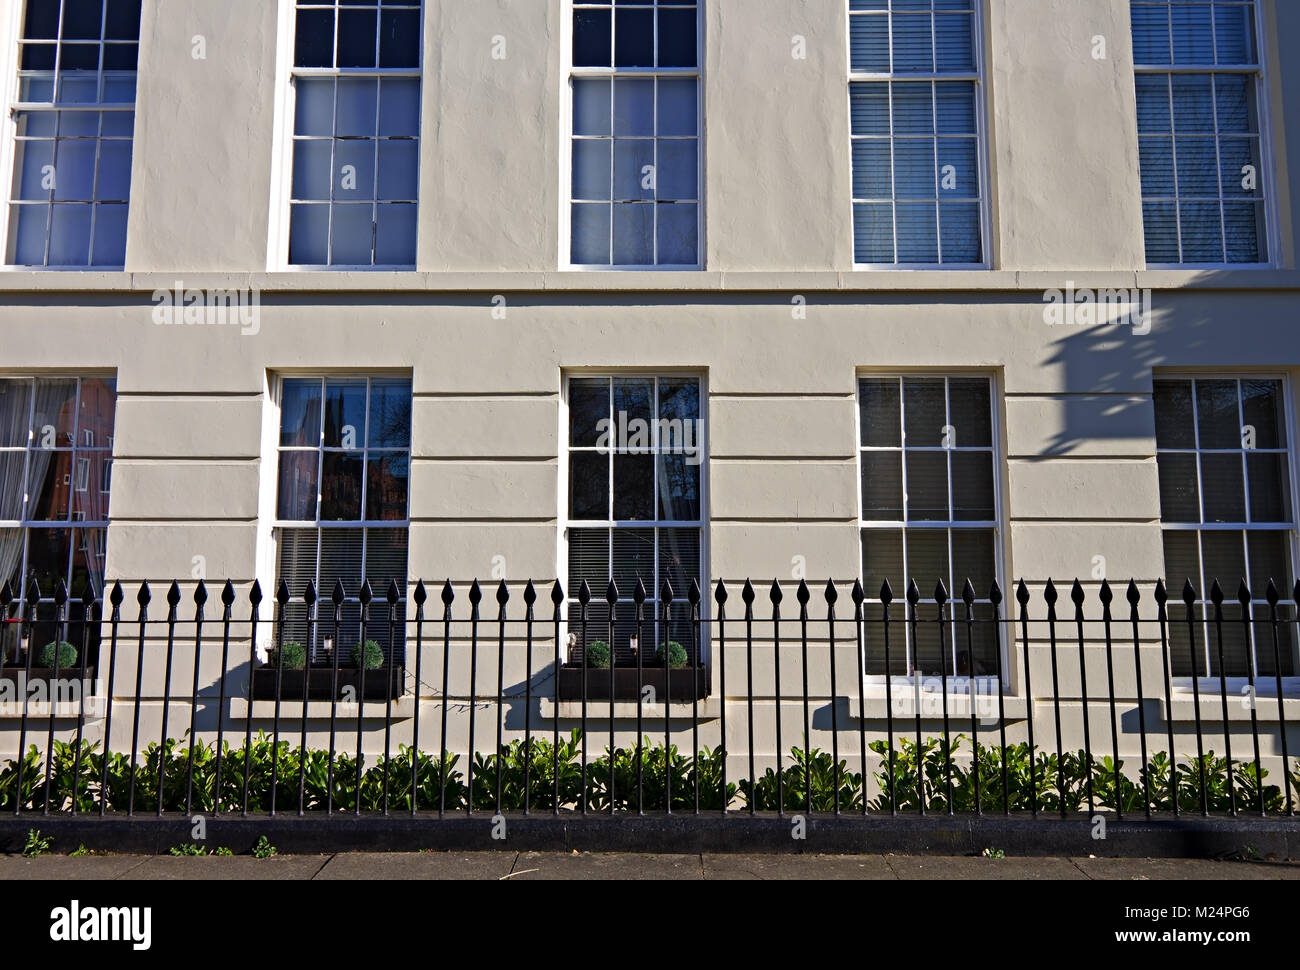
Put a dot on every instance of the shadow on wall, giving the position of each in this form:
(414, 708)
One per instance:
(1117, 358)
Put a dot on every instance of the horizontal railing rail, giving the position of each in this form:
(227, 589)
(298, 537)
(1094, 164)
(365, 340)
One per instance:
(918, 696)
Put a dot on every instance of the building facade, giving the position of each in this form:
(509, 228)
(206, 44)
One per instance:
(670, 291)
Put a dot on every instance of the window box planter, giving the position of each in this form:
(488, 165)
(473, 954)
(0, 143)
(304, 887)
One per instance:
(685, 683)
(381, 683)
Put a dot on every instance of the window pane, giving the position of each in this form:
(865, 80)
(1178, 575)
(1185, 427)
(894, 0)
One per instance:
(633, 559)
(971, 412)
(677, 114)
(387, 486)
(679, 488)
(924, 411)
(634, 107)
(591, 107)
(927, 485)
(1182, 561)
(589, 410)
(1222, 482)
(634, 234)
(592, 31)
(298, 486)
(588, 485)
(1179, 498)
(340, 486)
(677, 234)
(309, 230)
(1175, 427)
(879, 409)
(1265, 416)
(395, 234)
(1217, 414)
(352, 235)
(973, 559)
(882, 558)
(399, 106)
(590, 234)
(591, 169)
(882, 486)
(633, 487)
(634, 38)
(588, 560)
(390, 413)
(679, 562)
(1270, 488)
(972, 486)
(345, 414)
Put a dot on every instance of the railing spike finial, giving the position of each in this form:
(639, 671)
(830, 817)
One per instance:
(1049, 592)
(61, 593)
(1106, 594)
(857, 593)
(309, 595)
(775, 594)
(1295, 592)
(1022, 593)
(611, 593)
(666, 592)
(338, 594)
(366, 595)
(639, 594)
(6, 595)
(886, 592)
(913, 592)
(832, 594)
(1189, 592)
(282, 592)
(693, 593)
(116, 595)
(1076, 592)
(940, 593)
(530, 594)
(584, 593)
(1161, 594)
(503, 593)
(1132, 594)
(1243, 593)
(420, 595)
(475, 593)
(173, 594)
(1270, 593)
(255, 594)
(557, 593)
(802, 594)
(228, 594)
(448, 594)
(200, 594)
(1216, 593)
(34, 590)
(968, 592)
(747, 593)
(720, 593)
(142, 598)
(392, 594)
(995, 593)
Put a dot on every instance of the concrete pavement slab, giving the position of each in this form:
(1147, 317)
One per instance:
(978, 867)
(1150, 869)
(223, 868)
(797, 867)
(418, 865)
(605, 865)
(68, 867)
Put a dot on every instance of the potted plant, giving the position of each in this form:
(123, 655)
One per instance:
(296, 675)
(682, 681)
(43, 662)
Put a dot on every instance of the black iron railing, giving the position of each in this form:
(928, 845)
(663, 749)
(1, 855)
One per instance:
(263, 749)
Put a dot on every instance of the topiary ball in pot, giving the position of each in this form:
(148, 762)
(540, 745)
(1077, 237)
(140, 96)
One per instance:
(67, 655)
(676, 656)
(293, 656)
(374, 655)
(598, 654)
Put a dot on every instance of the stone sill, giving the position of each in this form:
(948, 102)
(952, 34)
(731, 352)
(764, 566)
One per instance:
(710, 709)
(403, 709)
(721, 281)
(874, 706)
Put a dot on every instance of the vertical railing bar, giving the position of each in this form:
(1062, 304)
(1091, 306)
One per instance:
(639, 597)
(1077, 595)
(1107, 596)
(1049, 594)
(530, 597)
(366, 596)
(173, 598)
(420, 596)
(115, 598)
(886, 598)
(1162, 618)
(694, 598)
(337, 596)
(1216, 597)
(313, 631)
(665, 607)
(200, 598)
(448, 596)
(90, 613)
(747, 597)
(557, 598)
(1134, 597)
(611, 600)
(277, 635)
(1189, 599)
(720, 597)
(227, 601)
(255, 602)
(1272, 595)
(60, 636)
(995, 596)
(475, 597)
(393, 595)
(503, 597)
(802, 595)
(914, 597)
(1247, 619)
(831, 596)
(968, 599)
(142, 599)
(1022, 597)
(941, 596)
(775, 596)
(584, 598)
(29, 627)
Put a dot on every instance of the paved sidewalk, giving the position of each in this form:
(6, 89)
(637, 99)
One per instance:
(554, 865)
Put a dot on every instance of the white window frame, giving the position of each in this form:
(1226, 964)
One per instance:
(981, 148)
(900, 630)
(566, 137)
(1265, 684)
(1259, 73)
(283, 144)
(569, 612)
